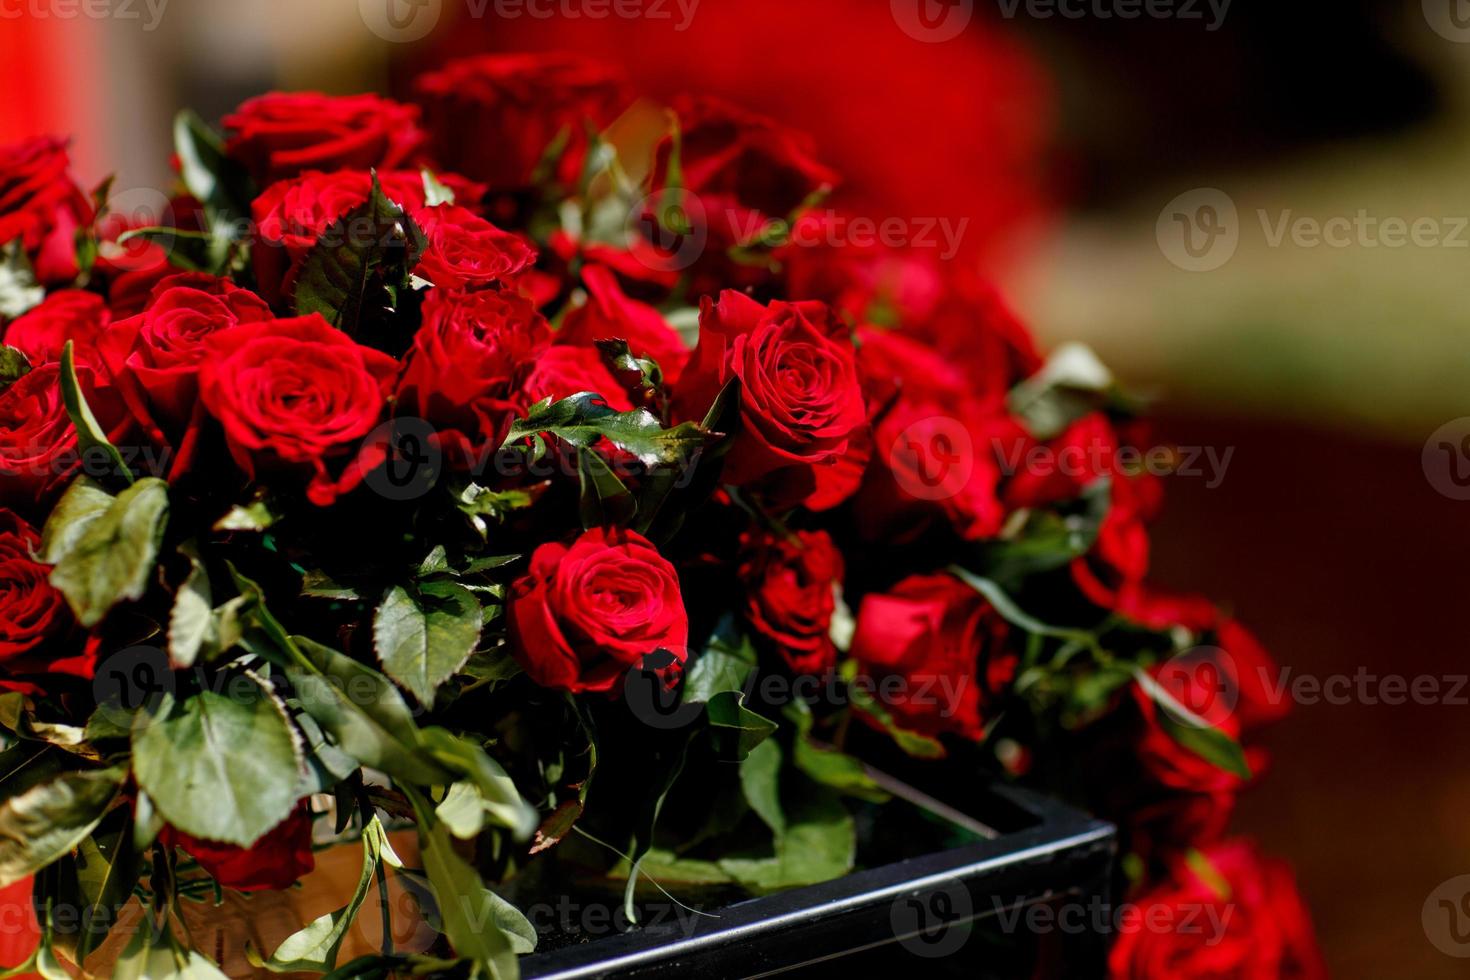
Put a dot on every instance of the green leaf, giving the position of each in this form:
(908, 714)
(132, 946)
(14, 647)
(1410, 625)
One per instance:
(435, 192)
(914, 744)
(819, 844)
(1193, 732)
(480, 925)
(1043, 540)
(363, 713)
(210, 176)
(14, 365)
(478, 503)
(19, 290)
(255, 517)
(760, 781)
(501, 801)
(314, 948)
(221, 768)
(606, 501)
(191, 623)
(826, 765)
(110, 559)
(90, 436)
(423, 636)
(734, 729)
(374, 245)
(83, 503)
(40, 820)
(107, 870)
(1071, 385)
(724, 665)
(584, 418)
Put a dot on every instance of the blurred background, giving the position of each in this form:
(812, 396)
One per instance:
(1255, 212)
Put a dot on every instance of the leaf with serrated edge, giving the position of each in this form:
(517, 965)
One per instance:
(221, 768)
(111, 559)
(423, 637)
(48, 819)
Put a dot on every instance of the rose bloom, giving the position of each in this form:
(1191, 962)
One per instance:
(274, 863)
(746, 169)
(790, 587)
(610, 314)
(69, 314)
(466, 250)
(588, 612)
(34, 618)
(465, 371)
(946, 643)
(562, 371)
(38, 443)
(282, 134)
(295, 395)
(494, 117)
(155, 356)
(1255, 925)
(41, 205)
(293, 214)
(801, 407)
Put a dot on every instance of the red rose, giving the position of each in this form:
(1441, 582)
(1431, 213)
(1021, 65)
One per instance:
(23, 936)
(947, 646)
(282, 134)
(494, 117)
(296, 395)
(38, 444)
(801, 408)
(746, 170)
(33, 616)
(588, 612)
(465, 370)
(466, 250)
(41, 205)
(292, 215)
(1242, 917)
(70, 314)
(154, 357)
(562, 371)
(934, 442)
(274, 863)
(790, 594)
(610, 314)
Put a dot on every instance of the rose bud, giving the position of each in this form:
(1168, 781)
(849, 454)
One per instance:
(41, 205)
(34, 617)
(465, 250)
(790, 586)
(70, 314)
(1229, 913)
(494, 117)
(590, 611)
(801, 407)
(465, 371)
(282, 134)
(946, 648)
(295, 395)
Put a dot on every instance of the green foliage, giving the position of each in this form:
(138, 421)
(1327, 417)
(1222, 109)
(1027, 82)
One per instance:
(104, 547)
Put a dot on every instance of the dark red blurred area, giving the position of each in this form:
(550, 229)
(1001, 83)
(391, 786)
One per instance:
(918, 130)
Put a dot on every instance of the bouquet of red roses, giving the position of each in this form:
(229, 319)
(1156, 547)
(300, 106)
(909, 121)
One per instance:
(548, 473)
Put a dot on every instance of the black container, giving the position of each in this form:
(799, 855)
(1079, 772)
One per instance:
(979, 910)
